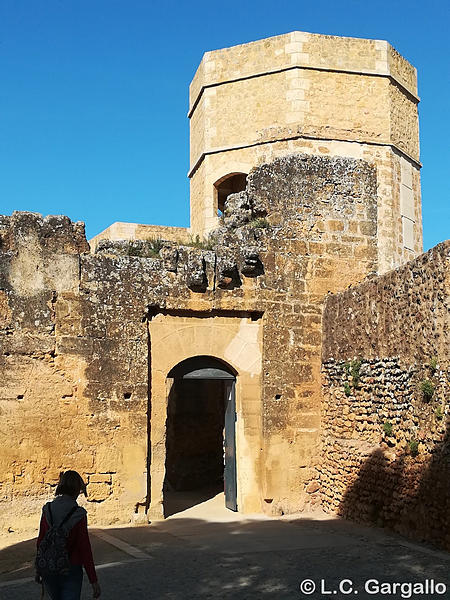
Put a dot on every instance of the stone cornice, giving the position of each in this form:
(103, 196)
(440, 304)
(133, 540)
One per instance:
(394, 147)
(367, 73)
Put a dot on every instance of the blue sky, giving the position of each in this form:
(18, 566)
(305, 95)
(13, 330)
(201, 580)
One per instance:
(94, 96)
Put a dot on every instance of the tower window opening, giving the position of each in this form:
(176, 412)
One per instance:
(231, 184)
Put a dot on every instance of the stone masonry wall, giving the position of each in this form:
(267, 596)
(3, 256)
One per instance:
(317, 94)
(136, 231)
(74, 354)
(321, 237)
(385, 417)
(391, 250)
(73, 384)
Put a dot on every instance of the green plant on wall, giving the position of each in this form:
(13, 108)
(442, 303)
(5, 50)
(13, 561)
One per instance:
(352, 369)
(438, 413)
(387, 428)
(433, 364)
(259, 223)
(427, 389)
(145, 248)
(195, 242)
(206, 244)
(153, 247)
(133, 250)
(413, 446)
(355, 367)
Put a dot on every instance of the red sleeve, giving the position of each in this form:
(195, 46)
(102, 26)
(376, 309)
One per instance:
(80, 532)
(43, 528)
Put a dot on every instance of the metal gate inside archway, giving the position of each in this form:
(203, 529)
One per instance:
(200, 434)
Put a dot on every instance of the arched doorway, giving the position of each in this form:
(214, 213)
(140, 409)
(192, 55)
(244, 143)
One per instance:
(230, 184)
(200, 434)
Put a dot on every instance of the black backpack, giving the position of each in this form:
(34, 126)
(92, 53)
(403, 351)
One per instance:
(52, 557)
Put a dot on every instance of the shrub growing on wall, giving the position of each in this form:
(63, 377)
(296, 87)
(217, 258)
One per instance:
(427, 389)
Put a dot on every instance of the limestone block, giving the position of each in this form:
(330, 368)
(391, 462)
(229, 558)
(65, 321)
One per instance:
(408, 233)
(196, 271)
(107, 458)
(5, 311)
(407, 203)
(100, 478)
(98, 492)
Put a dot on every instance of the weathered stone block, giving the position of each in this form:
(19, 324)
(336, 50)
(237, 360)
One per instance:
(98, 492)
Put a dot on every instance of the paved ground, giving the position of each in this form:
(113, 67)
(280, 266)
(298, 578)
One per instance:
(208, 552)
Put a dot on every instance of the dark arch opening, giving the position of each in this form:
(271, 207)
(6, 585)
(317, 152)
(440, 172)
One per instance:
(230, 184)
(202, 367)
(198, 402)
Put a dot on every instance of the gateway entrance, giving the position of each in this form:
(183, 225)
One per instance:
(200, 435)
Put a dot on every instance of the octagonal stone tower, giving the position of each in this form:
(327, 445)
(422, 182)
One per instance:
(319, 94)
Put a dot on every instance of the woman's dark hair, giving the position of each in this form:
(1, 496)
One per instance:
(70, 484)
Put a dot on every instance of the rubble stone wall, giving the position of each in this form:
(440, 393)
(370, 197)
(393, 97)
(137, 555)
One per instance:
(386, 412)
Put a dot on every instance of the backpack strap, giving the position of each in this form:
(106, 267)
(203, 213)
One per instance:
(50, 514)
(69, 514)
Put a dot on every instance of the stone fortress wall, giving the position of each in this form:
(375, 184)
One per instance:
(326, 393)
(73, 385)
(84, 334)
(386, 451)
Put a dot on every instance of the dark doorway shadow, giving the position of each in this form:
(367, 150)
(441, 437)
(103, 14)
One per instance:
(200, 434)
(194, 443)
(230, 184)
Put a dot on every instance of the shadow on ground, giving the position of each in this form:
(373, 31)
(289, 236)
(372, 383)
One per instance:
(409, 495)
(248, 559)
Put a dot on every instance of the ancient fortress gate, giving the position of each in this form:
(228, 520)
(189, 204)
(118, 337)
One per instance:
(157, 359)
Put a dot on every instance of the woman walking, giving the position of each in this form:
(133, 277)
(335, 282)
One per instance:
(63, 546)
